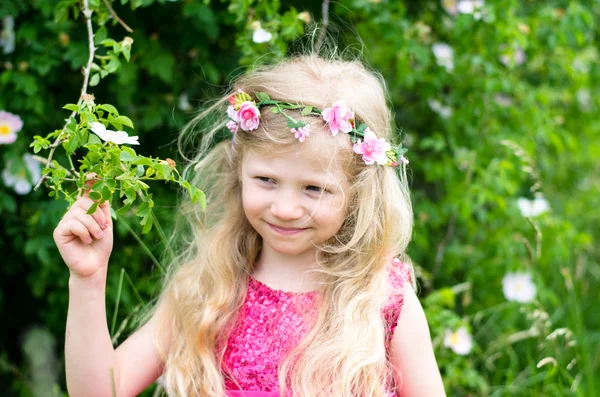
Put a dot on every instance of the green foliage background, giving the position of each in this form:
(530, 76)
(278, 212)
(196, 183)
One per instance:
(515, 130)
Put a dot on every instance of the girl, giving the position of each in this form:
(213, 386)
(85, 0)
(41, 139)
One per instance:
(291, 283)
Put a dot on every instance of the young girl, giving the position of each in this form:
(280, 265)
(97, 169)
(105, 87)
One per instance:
(294, 282)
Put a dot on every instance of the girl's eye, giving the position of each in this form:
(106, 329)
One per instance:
(264, 179)
(316, 189)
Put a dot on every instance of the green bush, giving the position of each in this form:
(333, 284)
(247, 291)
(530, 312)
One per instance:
(496, 104)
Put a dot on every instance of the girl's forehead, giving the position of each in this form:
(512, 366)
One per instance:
(306, 159)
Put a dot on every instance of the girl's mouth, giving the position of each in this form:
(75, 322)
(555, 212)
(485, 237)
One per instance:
(286, 230)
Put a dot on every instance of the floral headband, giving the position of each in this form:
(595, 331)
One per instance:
(244, 113)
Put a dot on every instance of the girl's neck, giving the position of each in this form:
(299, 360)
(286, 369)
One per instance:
(284, 272)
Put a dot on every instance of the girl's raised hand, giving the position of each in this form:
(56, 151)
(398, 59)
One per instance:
(85, 241)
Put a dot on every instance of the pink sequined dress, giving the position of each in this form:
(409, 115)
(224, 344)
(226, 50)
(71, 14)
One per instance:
(273, 321)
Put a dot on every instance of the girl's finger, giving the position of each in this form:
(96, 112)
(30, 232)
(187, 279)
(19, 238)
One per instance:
(90, 222)
(73, 227)
(84, 204)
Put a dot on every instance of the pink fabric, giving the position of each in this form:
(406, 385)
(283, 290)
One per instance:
(240, 393)
(271, 322)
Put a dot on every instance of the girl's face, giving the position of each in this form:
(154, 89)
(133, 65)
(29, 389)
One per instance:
(294, 200)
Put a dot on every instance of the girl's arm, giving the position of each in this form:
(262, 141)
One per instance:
(89, 353)
(417, 373)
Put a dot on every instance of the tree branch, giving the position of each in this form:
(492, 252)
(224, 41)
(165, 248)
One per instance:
(87, 13)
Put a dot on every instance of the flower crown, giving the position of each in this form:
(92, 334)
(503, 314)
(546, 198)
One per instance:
(244, 113)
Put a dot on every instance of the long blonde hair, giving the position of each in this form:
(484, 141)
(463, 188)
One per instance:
(343, 354)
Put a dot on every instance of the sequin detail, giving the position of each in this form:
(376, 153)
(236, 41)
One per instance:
(271, 322)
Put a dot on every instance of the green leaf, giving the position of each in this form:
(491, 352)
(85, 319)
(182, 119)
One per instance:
(127, 154)
(275, 110)
(306, 111)
(262, 96)
(93, 139)
(95, 196)
(147, 221)
(93, 208)
(94, 80)
(140, 171)
(144, 161)
(109, 108)
(124, 120)
(72, 107)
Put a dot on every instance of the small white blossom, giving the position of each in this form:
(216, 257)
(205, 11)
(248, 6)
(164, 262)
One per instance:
(460, 341)
(518, 287)
(444, 111)
(512, 57)
(184, 102)
(450, 6)
(444, 55)
(584, 99)
(118, 137)
(19, 179)
(7, 36)
(533, 208)
(260, 35)
(503, 100)
(472, 7)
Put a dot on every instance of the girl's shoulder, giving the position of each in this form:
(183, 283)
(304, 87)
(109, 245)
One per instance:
(399, 275)
(399, 278)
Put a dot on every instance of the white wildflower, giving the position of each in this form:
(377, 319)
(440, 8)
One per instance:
(512, 57)
(22, 178)
(460, 341)
(260, 35)
(518, 287)
(118, 137)
(7, 36)
(10, 124)
(184, 102)
(444, 111)
(533, 208)
(584, 99)
(450, 6)
(444, 55)
(472, 7)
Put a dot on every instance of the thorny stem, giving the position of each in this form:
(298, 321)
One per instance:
(50, 165)
(115, 16)
(87, 13)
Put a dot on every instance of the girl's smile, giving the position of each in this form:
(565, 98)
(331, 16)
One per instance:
(286, 230)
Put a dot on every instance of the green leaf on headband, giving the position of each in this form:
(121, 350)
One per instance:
(362, 128)
(296, 124)
(274, 110)
(262, 96)
(306, 111)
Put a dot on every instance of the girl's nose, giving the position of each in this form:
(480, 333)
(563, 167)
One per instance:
(286, 207)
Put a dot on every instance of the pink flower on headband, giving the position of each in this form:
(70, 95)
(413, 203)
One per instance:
(339, 117)
(248, 116)
(232, 126)
(301, 133)
(372, 149)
